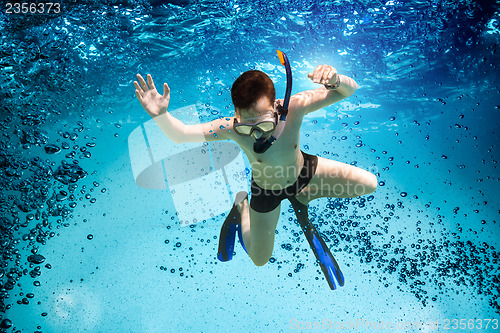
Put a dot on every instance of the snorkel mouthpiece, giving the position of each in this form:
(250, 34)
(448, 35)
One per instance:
(261, 146)
(257, 134)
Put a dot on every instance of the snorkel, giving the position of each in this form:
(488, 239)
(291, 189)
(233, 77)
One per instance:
(261, 146)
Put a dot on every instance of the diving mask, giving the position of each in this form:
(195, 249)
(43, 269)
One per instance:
(260, 128)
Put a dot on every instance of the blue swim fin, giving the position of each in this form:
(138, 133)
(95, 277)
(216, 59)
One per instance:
(327, 262)
(231, 225)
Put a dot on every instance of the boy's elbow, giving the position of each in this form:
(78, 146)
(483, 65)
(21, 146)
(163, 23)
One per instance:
(352, 90)
(178, 138)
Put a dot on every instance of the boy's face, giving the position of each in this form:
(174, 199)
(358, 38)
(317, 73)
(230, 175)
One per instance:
(261, 107)
(261, 110)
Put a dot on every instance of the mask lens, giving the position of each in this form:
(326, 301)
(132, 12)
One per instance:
(266, 126)
(243, 129)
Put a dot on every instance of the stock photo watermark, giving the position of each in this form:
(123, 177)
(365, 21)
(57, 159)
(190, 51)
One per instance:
(363, 325)
(338, 182)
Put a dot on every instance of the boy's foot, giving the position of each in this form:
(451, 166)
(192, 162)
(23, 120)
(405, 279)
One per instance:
(231, 225)
(326, 260)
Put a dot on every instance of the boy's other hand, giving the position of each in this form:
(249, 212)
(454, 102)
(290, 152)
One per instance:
(154, 103)
(324, 74)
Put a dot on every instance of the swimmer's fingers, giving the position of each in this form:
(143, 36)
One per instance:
(138, 88)
(139, 97)
(323, 74)
(139, 93)
(150, 82)
(166, 90)
(331, 77)
(311, 76)
(144, 86)
(318, 74)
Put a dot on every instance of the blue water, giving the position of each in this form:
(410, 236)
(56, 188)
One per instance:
(85, 249)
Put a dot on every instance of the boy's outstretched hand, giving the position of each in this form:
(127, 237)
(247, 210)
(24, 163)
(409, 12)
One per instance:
(154, 103)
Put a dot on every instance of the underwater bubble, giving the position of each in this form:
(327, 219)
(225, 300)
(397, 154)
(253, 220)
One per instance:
(36, 259)
(6, 323)
(31, 118)
(90, 236)
(52, 149)
(62, 195)
(34, 136)
(403, 194)
(69, 173)
(381, 183)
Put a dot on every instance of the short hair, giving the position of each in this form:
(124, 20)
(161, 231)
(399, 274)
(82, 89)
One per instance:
(251, 86)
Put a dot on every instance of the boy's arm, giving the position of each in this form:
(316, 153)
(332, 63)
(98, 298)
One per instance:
(312, 100)
(179, 132)
(156, 106)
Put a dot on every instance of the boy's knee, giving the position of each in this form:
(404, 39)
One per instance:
(369, 185)
(260, 263)
(260, 260)
(372, 184)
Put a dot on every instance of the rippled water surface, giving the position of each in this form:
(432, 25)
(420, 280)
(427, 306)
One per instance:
(85, 249)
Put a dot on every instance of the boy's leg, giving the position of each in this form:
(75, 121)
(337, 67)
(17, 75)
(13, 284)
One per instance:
(338, 180)
(258, 230)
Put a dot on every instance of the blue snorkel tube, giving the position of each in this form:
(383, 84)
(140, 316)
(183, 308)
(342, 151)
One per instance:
(261, 146)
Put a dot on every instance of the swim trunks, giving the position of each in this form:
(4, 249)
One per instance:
(263, 200)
